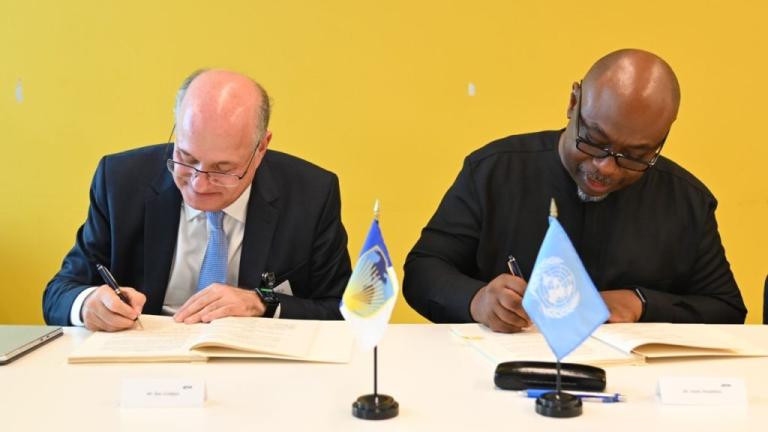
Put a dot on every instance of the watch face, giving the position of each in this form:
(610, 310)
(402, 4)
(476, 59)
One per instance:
(271, 298)
(267, 295)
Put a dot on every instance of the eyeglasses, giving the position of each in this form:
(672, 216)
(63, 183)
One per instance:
(185, 172)
(601, 152)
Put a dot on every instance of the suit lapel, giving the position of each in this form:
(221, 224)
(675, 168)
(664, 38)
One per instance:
(161, 227)
(260, 223)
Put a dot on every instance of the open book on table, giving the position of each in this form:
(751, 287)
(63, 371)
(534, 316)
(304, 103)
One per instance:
(664, 340)
(623, 344)
(164, 340)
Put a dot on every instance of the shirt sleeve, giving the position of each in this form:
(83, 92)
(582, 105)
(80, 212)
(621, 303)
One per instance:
(77, 273)
(437, 282)
(75, 316)
(708, 293)
(330, 265)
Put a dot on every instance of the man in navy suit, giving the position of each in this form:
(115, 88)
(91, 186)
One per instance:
(150, 222)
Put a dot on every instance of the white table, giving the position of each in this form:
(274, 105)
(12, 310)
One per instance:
(440, 382)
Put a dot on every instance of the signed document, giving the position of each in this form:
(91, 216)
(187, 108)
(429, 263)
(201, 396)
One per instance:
(621, 344)
(164, 340)
(530, 345)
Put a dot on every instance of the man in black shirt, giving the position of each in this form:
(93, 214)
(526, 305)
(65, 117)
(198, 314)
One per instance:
(644, 227)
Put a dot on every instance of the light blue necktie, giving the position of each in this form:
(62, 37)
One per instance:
(214, 268)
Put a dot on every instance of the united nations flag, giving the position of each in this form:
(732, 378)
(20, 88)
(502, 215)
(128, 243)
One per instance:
(371, 291)
(561, 298)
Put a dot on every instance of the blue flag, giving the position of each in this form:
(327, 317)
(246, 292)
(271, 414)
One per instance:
(371, 292)
(561, 299)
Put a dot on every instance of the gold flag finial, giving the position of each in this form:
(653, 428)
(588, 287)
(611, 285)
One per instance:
(553, 208)
(376, 208)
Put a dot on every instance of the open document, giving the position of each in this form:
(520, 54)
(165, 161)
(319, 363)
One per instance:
(164, 340)
(665, 340)
(530, 345)
(615, 344)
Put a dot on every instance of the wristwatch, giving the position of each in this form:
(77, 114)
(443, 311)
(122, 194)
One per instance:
(267, 294)
(271, 302)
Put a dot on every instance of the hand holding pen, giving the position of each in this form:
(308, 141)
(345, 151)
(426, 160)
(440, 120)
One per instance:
(110, 280)
(498, 304)
(111, 307)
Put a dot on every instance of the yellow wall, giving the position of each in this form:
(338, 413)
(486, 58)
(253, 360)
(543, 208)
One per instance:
(375, 91)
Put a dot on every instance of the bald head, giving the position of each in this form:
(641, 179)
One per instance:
(223, 101)
(626, 104)
(221, 128)
(634, 80)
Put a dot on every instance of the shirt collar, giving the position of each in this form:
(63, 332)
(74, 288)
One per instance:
(236, 210)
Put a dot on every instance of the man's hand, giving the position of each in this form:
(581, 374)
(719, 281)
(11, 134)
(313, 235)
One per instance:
(623, 304)
(499, 306)
(219, 301)
(103, 309)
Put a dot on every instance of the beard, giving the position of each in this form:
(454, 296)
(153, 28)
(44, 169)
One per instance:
(584, 197)
(593, 176)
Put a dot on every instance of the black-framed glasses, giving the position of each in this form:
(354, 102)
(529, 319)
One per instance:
(185, 171)
(600, 151)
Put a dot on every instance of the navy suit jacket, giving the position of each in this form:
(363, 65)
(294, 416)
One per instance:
(293, 228)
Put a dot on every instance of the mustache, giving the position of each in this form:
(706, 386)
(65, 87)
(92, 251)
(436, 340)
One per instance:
(597, 178)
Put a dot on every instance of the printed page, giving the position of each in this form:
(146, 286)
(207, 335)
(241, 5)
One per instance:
(282, 337)
(333, 344)
(681, 340)
(160, 339)
(530, 345)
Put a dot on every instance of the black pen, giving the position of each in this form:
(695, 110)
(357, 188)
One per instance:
(514, 268)
(110, 280)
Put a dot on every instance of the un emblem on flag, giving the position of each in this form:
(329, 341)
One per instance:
(556, 288)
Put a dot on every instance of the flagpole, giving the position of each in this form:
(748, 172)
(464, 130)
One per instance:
(376, 213)
(375, 406)
(376, 210)
(558, 403)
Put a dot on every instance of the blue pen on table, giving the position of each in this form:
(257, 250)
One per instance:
(110, 280)
(583, 395)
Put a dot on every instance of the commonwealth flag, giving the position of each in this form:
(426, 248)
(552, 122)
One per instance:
(371, 292)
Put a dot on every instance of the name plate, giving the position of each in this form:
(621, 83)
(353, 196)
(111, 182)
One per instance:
(702, 391)
(154, 393)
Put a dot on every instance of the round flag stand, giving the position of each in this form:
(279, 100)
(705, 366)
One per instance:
(375, 406)
(558, 404)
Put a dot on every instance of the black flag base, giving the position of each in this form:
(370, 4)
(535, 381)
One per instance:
(376, 407)
(558, 404)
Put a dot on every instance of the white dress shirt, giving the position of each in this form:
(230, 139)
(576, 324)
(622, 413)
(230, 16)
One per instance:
(191, 242)
(190, 250)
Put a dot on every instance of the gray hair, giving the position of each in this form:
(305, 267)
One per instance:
(262, 115)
